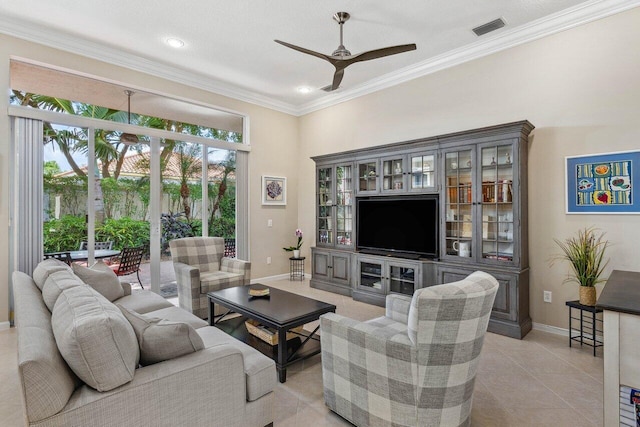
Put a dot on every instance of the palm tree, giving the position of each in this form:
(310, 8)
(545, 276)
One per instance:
(229, 166)
(190, 163)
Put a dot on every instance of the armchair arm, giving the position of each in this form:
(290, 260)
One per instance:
(334, 326)
(397, 307)
(126, 287)
(233, 265)
(136, 403)
(188, 280)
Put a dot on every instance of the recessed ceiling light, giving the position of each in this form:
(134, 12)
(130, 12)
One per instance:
(174, 42)
(304, 89)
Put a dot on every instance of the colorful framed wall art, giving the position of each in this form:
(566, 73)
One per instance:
(274, 190)
(603, 183)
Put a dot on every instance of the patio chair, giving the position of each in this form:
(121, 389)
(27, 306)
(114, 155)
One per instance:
(97, 245)
(129, 262)
(201, 268)
(415, 366)
(62, 256)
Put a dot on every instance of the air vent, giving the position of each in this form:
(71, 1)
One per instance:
(488, 27)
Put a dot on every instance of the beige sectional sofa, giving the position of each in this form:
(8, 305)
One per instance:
(73, 341)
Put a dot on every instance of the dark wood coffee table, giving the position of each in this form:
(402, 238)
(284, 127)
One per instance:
(281, 311)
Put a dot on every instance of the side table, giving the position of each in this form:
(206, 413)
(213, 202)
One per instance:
(296, 268)
(588, 323)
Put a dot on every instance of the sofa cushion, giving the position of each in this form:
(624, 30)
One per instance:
(94, 337)
(45, 268)
(161, 339)
(176, 314)
(101, 278)
(55, 284)
(216, 280)
(143, 302)
(258, 368)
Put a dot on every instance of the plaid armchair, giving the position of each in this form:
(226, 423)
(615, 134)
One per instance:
(416, 365)
(201, 268)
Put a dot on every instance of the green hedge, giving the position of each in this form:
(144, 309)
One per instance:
(66, 233)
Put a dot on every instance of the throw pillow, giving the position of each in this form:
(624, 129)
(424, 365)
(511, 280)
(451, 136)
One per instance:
(94, 338)
(162, 339)
(101, 278)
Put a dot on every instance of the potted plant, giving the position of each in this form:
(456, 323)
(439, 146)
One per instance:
(296, 248)
(585, 253)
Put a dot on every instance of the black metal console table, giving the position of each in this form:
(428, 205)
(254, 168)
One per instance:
(590, 322)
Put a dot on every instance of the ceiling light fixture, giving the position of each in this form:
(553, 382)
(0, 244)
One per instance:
(129, 138)
(304, 90)
(174, 42)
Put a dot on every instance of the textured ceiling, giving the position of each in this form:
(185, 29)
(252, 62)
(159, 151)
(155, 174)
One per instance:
(229, 44)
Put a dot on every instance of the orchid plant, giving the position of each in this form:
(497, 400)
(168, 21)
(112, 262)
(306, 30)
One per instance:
(298, 245)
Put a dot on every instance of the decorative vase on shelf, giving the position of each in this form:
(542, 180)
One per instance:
(588, 295)
(296, 253)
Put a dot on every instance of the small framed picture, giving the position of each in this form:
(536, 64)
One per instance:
(603, 183)
(274, 190)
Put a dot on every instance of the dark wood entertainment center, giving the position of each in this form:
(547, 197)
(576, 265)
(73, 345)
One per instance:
(480, 178)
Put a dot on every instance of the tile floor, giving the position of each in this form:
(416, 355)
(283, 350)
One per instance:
(537, 381)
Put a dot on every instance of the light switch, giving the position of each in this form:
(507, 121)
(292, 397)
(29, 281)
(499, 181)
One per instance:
(269, 223)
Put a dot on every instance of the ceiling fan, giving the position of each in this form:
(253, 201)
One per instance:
(341, 58)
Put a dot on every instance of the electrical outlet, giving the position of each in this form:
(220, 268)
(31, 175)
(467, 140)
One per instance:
(269, 223)
(546, 296)
(268, 260)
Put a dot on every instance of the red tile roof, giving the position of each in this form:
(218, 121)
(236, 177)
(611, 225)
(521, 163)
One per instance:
(136, 165)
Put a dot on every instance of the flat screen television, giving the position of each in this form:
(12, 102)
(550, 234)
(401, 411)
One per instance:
(399, 226)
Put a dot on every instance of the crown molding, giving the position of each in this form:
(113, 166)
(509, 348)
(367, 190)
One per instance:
(45, 36)
(551, 24)
(563, 20)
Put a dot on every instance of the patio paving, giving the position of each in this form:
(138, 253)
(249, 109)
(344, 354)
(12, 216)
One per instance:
(167, 276)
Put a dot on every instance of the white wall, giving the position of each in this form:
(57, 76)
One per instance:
(272, 134)
(580, 88)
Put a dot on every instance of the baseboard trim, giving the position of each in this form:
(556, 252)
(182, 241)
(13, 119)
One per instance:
(270, 278)
(550, 329)
(4, 325)
(284, 276)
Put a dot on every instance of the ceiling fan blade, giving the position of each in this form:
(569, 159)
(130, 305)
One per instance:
(303, 50)
(337, 78)
(380, 53)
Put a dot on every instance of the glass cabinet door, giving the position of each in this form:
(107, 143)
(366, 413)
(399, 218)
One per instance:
(344, 206)
(393, 174)
(458, 204)
(402, 279)
(422, 171)
(325, 206)
(371, 276)
(368, 176)
(497, 203)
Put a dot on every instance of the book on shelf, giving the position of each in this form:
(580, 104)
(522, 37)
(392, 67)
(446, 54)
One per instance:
(500, 256)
